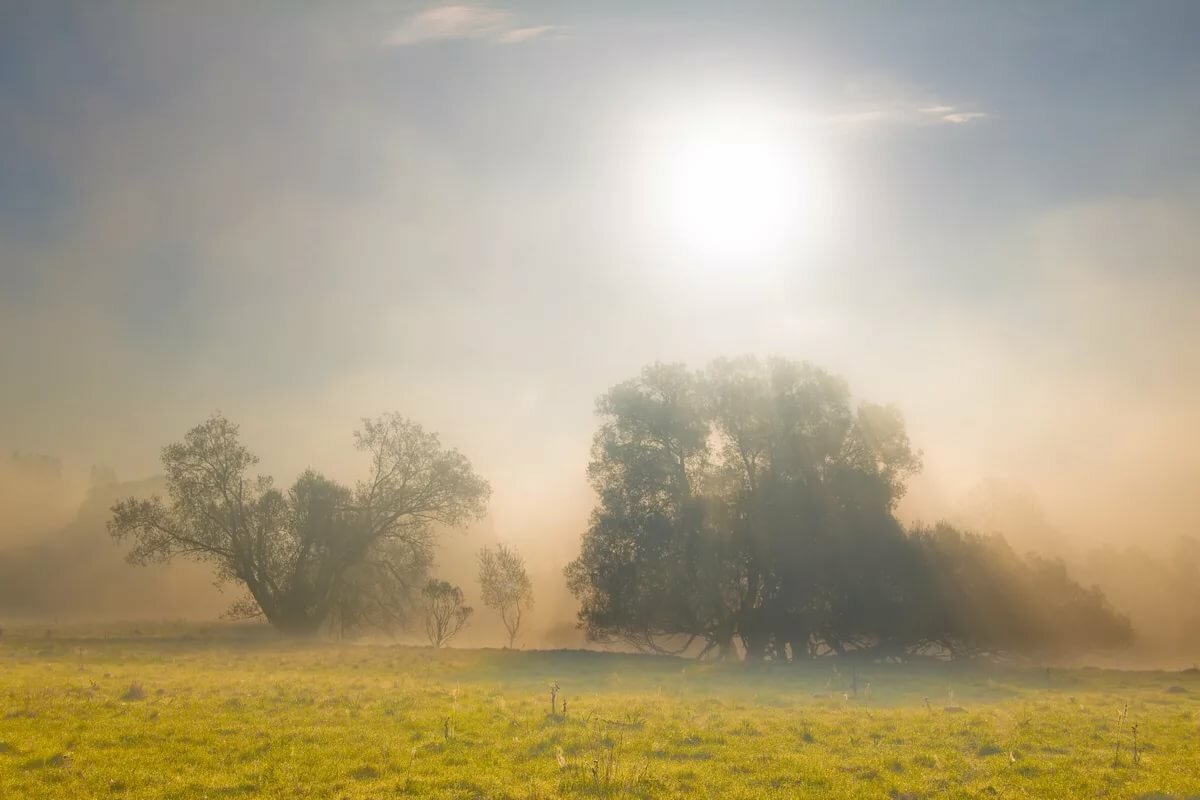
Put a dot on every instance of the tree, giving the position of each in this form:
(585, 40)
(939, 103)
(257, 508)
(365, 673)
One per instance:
(652, 572)
(378, 592)
(807, 481)
(320, 548)
(977, 596)
(749, 503)
(751, 506)
(505, 585)
(445, 613)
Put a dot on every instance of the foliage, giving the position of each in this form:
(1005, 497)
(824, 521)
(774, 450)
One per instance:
(978, 596)
(445, 612)
(753, 504)
(320, 550)
(505, 585)
(749, 501)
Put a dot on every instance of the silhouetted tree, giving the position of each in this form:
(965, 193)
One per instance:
(302, 552)
(445, 612)
(505, 585)
(653, 571)
(753, 503)
(750, 502)
(809, 482)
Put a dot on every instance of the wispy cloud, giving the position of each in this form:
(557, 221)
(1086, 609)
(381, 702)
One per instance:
(442, 23)
(524, 34)
(902, 113)
(953, 114)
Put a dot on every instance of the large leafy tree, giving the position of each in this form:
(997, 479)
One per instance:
(808, 480)
(320, 550)
(652, 573)
(750, 503)
(753, 503)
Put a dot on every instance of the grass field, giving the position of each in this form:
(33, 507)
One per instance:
(194, 718)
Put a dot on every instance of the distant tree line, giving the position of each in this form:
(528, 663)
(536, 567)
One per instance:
(749, 510)
(1159, 589)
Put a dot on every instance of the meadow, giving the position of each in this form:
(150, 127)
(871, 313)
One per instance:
(200, 715)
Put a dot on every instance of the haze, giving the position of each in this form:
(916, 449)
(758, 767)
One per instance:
(302, 215)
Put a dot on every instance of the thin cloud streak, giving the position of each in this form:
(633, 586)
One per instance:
(903, 113)
(518, 35)
(450, 22)
(951, 114)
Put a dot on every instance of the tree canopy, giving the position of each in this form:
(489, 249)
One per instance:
(975, 595)
(320, 549)
(752, 503)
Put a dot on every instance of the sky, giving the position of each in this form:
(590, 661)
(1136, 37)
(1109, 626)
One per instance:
(302, 214)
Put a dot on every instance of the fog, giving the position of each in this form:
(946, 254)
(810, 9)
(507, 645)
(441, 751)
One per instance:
(302, 218)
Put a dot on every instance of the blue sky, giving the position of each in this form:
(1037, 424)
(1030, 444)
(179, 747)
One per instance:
(306, 213)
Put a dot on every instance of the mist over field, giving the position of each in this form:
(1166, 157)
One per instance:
(625, 399)
(305, 217)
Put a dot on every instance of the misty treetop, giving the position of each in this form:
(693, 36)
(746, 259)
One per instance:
(754, 502)
(320, 551)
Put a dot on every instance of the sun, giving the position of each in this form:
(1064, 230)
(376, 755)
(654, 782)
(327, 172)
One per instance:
(733, 184)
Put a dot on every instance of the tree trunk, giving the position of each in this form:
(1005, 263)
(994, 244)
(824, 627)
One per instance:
(728, 649)
(756, 646)
(297, 625)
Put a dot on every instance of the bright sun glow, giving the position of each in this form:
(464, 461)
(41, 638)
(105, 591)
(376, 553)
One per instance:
(734, 184)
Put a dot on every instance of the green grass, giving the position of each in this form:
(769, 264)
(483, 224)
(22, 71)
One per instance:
(245, 718)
